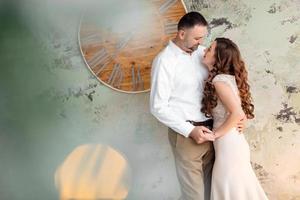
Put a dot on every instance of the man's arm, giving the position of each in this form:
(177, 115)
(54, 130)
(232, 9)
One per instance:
(161, 87)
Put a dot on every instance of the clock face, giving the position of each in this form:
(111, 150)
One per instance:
(119, 39)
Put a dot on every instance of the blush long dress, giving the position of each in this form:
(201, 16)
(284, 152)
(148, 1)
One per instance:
(233, 177)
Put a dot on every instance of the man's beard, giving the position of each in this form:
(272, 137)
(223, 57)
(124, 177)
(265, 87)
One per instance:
(194, 48)
(189, 49)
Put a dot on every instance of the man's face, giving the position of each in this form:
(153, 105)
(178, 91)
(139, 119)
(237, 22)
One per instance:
(194, 36)
(209, 56)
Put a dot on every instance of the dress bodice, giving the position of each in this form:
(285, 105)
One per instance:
(220, 113)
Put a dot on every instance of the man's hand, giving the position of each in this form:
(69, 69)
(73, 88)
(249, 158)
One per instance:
(201, 134)
(241, 124)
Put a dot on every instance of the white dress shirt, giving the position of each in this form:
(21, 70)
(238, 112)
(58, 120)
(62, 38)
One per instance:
(177, 83)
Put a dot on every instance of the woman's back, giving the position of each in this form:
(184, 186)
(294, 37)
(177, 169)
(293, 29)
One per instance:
(219, 112)
(233, 177)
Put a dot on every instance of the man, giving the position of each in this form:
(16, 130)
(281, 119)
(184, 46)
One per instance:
(177, 83)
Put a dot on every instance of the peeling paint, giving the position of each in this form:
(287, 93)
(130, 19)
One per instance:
(221, 21)
(90, 95)
(293, 38)
(262, 174)
(292, 89)
(290, 20)
(287, 114)
(272, 9)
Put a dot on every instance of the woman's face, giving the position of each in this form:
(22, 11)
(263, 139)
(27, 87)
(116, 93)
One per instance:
(209, 56)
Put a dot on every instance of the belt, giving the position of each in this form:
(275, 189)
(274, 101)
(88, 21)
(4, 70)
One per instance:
(208, 123)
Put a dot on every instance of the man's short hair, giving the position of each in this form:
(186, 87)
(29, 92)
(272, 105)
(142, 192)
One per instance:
(190, 20)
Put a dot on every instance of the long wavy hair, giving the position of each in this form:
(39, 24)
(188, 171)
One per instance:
(228, 61)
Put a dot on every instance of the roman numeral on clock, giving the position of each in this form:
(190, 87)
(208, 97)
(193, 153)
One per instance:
(90, 39)
(139, 79)
(101, 57)
(166, 5)
(170, 27)
(116, 76)
(122, 43)
(137, 82)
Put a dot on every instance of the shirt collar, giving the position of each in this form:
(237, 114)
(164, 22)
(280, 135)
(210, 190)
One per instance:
(176, 49)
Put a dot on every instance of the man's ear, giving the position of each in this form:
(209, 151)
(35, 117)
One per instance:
(181, 34)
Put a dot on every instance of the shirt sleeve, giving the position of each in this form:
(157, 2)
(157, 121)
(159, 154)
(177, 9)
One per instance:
(224, 79)
(162, 77)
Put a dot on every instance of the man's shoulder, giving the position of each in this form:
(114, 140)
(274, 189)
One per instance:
(165, 59)
(165, 54)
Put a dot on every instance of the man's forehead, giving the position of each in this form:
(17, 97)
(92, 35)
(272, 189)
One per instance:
(198, 31)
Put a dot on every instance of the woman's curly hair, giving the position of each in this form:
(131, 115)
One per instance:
(228, 61)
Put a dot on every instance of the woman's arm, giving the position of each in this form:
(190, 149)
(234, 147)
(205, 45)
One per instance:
(232, 104)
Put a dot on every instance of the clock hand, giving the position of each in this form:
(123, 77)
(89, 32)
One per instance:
(121, 44)
(103, 58)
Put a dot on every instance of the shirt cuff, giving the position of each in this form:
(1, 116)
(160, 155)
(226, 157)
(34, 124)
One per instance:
(187, 129)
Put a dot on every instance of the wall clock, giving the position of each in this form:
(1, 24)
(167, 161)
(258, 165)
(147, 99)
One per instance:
(118, 39)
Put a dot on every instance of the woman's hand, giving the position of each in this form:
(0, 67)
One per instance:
(242, 124)
(201, 134)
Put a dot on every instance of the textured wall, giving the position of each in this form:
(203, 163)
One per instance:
(267, 33)
(50, 103)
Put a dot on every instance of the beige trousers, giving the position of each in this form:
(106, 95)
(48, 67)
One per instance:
(194, 163)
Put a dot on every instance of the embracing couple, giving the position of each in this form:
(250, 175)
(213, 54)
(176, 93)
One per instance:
(202, 95)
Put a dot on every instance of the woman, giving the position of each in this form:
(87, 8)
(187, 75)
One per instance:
(227, 99)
